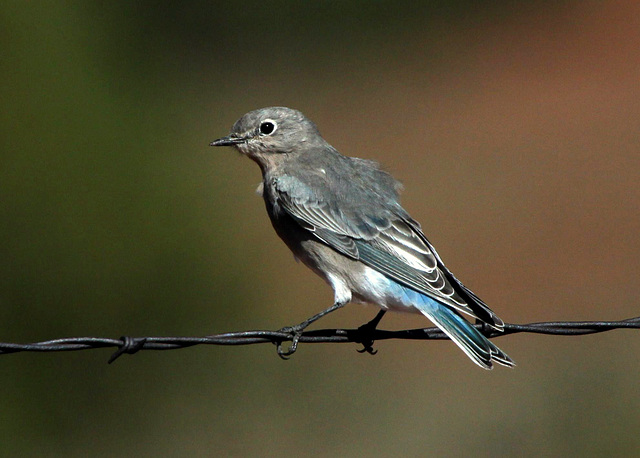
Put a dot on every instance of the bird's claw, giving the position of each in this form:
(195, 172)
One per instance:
(368, 348)
(296, 333)
(366, 337)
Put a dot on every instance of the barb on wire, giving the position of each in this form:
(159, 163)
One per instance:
(132, 345)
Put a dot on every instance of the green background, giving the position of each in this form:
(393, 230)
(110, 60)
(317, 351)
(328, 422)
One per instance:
(514, 126)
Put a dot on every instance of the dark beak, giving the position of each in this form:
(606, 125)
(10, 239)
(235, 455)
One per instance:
(229, 140)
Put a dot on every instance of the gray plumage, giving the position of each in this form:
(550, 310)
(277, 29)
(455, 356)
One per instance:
(342, 217)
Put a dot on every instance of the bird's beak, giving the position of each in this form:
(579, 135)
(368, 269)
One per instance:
(229, 140)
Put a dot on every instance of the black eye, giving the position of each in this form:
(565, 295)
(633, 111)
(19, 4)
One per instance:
(267, 127)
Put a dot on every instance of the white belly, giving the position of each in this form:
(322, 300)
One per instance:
(375, 288)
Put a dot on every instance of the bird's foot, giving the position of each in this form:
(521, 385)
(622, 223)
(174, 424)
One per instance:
(296, 333)
(366, 338)
(367, 332)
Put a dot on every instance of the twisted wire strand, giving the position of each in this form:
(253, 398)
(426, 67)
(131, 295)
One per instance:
(131, 345)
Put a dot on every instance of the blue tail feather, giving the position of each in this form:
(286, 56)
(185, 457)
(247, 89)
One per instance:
(480, 349)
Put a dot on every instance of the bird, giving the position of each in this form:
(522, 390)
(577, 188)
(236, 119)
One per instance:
(341, 216)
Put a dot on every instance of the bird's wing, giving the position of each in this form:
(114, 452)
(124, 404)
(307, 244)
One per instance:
(387, 240)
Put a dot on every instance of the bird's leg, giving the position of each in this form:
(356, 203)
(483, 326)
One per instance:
(366, 332)
(296, 331)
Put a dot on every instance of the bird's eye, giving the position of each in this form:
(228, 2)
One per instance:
(268, 127)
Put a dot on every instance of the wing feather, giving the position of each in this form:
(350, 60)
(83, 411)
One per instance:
(388, 241)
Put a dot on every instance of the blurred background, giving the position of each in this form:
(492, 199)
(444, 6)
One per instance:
(515, 127)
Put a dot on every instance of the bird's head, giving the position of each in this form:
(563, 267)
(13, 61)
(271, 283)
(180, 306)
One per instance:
(269, 135)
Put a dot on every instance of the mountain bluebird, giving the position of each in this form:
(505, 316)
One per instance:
(341, 216)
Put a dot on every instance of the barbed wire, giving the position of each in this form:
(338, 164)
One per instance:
(366, 337)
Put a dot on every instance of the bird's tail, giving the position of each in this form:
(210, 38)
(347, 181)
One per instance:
(477, 347)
